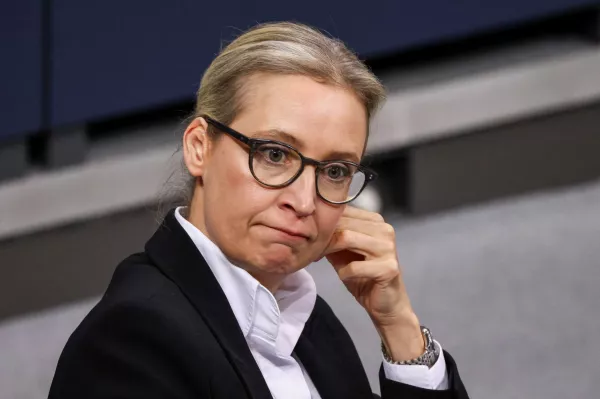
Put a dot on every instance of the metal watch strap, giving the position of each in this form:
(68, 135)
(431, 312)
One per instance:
(428, 358)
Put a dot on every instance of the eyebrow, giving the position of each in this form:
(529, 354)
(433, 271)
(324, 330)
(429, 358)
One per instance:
(280, 135)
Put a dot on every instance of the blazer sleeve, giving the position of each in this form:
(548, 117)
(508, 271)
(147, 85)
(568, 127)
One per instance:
(127, 351)
(396, 390)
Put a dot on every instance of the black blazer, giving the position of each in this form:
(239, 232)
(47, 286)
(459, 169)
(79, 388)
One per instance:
(164, 329)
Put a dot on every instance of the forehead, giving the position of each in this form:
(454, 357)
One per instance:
(318, 119)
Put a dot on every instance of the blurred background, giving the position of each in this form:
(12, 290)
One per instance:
(488, 151)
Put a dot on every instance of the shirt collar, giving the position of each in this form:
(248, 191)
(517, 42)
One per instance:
(279, 319)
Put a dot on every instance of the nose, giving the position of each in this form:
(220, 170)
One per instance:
(301, 195)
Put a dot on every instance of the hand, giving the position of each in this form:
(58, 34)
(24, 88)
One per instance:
(363, 253)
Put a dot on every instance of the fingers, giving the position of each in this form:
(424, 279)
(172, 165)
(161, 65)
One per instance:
(369, 227)
(378, 270)
(363, 232)
(361, 243)
(358, 213)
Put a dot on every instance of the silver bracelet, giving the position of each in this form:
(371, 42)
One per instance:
(428, 358)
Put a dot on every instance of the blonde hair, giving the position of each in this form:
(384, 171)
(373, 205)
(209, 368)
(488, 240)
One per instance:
(283, 48)
(279, 48)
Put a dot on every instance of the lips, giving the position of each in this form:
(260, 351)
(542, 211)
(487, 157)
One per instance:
(293, 233)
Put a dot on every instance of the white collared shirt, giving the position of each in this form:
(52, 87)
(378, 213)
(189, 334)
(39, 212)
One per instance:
(272, 324)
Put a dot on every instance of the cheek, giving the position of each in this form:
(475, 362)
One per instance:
(327, 221)
(234, 198)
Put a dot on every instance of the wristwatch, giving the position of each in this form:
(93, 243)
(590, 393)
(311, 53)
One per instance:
(428, 358)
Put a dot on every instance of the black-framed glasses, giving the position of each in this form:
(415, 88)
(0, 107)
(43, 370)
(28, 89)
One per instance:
(276, 165)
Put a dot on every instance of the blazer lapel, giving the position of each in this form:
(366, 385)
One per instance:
(330, 383)
(329, 357)
(174, 253)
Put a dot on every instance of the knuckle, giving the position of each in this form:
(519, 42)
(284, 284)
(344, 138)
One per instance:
(352, 268)
(389, 246)
(348, 272)
(389, 230)
(391, 270)
(378, 218)
(393, 265)
(343, 235)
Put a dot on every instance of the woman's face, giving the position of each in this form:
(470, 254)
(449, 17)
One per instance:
(252, 223)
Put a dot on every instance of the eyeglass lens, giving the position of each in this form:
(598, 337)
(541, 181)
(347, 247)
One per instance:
(275, 165)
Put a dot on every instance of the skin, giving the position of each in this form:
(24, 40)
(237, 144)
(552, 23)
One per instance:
(245, 218)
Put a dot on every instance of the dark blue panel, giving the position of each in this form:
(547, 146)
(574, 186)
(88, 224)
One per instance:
(381, 26)
(116, 56)
(20, 67)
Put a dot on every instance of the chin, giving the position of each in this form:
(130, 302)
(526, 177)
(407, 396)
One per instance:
(278, 260)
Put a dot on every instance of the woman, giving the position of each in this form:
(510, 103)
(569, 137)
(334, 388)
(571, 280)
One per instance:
(218, 305)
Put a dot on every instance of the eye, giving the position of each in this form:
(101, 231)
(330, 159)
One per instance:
(275, 154)
(337, 172)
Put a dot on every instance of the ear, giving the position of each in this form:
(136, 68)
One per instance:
(196, 147)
